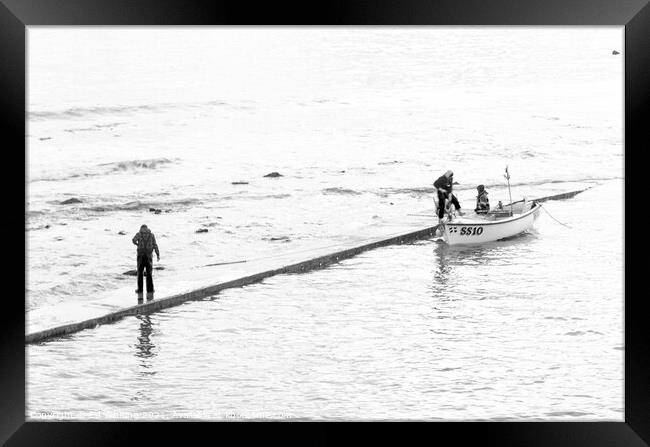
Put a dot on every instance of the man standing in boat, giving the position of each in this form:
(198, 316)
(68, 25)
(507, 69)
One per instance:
(482, 202)
(146, 242)
(444, 186)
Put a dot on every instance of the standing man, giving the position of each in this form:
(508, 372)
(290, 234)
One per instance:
(146, 242)
(444, 186)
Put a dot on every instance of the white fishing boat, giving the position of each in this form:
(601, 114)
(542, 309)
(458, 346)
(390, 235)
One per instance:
(495, 225)
(501, 223)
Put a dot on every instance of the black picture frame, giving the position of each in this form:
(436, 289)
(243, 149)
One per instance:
(16, 15)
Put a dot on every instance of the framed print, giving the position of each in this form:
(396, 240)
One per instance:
(353, 212)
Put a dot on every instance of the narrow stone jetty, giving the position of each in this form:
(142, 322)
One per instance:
(562, 196)
(234, 274)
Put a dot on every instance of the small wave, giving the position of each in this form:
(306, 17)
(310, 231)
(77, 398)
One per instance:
(413, 191)
(57, 178)
(425, 191)
(340, 191)
(82, 129)
(269, 196)
(107, 168)
(95, 128)
(568, 413)
(536, 183)
(136, 164)
(88, 205)
(80, 112)
(139, 205)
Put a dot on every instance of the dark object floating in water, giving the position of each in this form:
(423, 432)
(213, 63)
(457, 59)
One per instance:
(615, 52)
(155, 210)
(242, 183)
(45, 138)
(121, 232)
(70, 201)
(273, 174)
(135, 272)
(47, 226)
(201, 230)
(281, 238)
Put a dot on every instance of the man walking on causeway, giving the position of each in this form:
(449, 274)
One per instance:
(146, 242)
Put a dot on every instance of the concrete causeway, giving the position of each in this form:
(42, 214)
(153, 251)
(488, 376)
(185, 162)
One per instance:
(119, 303)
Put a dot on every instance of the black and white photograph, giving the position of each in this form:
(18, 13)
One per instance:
(325, 223)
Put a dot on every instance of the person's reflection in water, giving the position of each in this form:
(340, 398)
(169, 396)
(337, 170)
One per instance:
(443, 269)
(453, 261)
(442, 306)
(145, 349)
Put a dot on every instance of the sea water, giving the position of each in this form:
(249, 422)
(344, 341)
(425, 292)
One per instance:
(359, 122)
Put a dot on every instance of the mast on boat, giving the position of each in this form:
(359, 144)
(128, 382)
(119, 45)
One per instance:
(507, 176)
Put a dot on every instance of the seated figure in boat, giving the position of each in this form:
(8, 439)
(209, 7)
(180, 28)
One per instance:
(444, 189)
(482, 201)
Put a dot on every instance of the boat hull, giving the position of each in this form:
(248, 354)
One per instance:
(476, 232)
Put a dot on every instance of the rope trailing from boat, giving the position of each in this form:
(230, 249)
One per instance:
(544, 208)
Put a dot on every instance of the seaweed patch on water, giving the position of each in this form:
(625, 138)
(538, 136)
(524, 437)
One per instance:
(80, 112)
(83, 112)
(338, 190)
(138, 205)
(415, 191)
(277, 239)
(136, 164)
(105, 205)
(108, 169)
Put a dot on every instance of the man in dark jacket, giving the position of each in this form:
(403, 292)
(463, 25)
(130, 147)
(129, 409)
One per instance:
(482, 202)
(443, 187)
(146, 242)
